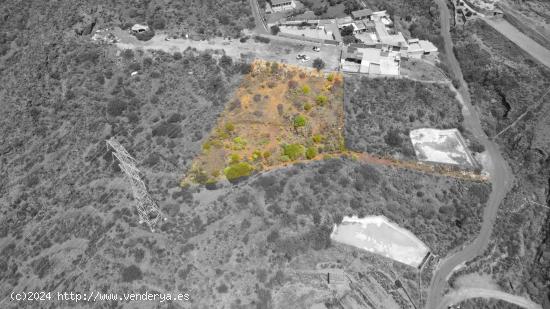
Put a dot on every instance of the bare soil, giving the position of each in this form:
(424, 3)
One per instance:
(260, 120)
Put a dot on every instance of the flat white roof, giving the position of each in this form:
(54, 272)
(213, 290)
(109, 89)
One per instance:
(379, 13)
(385, 38)
(427, 46)
(414, 47)
(374, 62)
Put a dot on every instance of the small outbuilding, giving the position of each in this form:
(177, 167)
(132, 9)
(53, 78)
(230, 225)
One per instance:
(282, 5)
(138, 28)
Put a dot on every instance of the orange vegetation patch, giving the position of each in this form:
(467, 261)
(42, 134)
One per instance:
(280, 114)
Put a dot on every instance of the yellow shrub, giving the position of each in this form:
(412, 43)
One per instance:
(321, 100)
(234, 158)
(229, 127)
(318, 138)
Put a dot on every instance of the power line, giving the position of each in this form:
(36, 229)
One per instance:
(147, 208)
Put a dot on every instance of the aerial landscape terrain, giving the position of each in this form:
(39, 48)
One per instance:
(275, 154)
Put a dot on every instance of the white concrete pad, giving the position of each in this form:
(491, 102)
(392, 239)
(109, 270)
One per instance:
(441, 146)
(378, 235)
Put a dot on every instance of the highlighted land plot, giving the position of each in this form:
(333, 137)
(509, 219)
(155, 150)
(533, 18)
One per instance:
(441, 146)
(280, 114)
(378, 235)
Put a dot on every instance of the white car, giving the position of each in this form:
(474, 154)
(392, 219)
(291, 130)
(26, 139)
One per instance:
(316, 48)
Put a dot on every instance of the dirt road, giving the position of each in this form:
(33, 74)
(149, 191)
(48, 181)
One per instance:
(524, 42)
(278, 49)
(501, 176)
(467, 293)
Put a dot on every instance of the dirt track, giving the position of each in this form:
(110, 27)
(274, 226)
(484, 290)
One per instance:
(531, 47)
(278, 49)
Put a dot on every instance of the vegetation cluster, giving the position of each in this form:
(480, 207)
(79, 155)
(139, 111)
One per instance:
(201, 19)
(280, 114)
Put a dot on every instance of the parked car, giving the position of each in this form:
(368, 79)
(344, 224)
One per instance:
(303, 57)
(316, 48)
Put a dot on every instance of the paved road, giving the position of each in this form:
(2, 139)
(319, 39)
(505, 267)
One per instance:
(501, 176)
(463, 294)
(260, 26)
(533, 48)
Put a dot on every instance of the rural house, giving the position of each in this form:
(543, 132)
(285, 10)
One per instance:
(282, 5)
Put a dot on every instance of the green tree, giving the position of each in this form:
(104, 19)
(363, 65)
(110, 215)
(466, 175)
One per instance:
(393, 138)
(347, 30)
(238, 170)
(294, 151)
(350, 6)
(321, 100)
(226, 61)
(131, 273)
(275, 30)
(234, 158)
(299, 121)
(229, 127)
(318, 64)
(318, 138)
(311, 152)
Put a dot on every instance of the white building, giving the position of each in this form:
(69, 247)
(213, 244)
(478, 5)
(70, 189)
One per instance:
(137, 28)
(372, 61)
(281, 5)
(379, 62)
(417, 48)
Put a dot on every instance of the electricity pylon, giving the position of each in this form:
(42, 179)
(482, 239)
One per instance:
(147, 208)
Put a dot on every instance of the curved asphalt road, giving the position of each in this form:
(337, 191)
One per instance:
(467, 293)
(260, 26)
(501, 176)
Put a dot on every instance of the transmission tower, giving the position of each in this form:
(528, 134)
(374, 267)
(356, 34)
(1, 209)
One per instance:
(147, 208)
